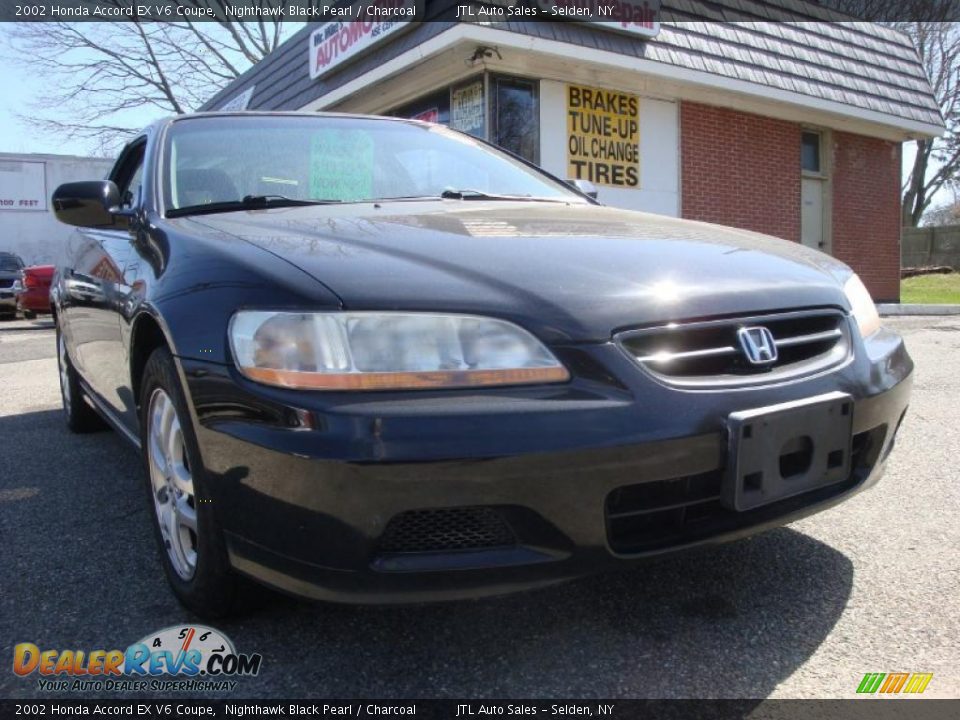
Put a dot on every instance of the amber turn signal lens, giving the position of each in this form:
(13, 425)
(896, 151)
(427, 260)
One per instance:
(406, 380)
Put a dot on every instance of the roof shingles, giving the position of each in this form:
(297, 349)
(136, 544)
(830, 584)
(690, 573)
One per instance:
(827, 61)
(865, 65)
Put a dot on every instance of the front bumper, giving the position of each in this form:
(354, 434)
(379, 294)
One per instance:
(34, 299)
(306, 484)
(8, 300)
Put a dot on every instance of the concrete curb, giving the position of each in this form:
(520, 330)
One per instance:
(895, 309)
(24, 325)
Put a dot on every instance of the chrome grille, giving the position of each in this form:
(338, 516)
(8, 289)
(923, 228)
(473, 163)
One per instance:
(710, 353)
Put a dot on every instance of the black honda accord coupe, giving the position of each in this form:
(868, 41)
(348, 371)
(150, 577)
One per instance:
(376, 360)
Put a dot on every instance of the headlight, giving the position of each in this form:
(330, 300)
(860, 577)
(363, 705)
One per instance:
(864, 311)
(387, 351)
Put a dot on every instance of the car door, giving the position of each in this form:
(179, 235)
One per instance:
(95, 291)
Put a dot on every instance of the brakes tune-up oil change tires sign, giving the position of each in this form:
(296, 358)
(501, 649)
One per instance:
(603, 136)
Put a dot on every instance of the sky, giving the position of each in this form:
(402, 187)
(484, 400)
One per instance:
(19, 95)
(20, 88)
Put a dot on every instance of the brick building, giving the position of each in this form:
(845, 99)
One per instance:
(791, 126)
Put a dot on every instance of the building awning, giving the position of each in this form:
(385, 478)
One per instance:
(863, 77)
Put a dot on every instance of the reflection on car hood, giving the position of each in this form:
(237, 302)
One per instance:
(568, 272)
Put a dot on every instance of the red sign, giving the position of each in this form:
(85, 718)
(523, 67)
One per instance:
(336, 42)
(107, 270)
(431, 115)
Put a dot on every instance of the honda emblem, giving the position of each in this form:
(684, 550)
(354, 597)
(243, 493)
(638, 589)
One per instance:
(758, 345)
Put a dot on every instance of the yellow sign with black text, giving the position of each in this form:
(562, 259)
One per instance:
(603, 136)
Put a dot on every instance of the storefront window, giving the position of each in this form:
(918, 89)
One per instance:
(516, 121)
(468, 111)
(511, 119)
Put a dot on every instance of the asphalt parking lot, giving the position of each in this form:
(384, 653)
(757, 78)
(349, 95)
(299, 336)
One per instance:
(870, 586)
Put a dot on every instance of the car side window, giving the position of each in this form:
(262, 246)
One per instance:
(130, 196)
(129, 176)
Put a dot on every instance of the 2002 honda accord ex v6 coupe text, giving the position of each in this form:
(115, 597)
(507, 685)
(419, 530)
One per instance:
(376, 360)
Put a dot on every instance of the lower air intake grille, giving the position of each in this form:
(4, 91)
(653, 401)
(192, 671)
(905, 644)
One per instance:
(446, 529)
(712, 353)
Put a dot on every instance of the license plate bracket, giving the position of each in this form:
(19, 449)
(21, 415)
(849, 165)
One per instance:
(779, 451)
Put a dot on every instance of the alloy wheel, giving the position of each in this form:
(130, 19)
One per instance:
(171, 483)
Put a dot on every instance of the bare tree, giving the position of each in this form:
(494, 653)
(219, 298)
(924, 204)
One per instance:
(937, 161)
(933, 27)
(947, 214)
(98, 74)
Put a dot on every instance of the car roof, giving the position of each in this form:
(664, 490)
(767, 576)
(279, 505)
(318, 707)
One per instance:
(284, 113)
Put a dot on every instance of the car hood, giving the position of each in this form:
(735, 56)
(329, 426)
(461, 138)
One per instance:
(568, 272)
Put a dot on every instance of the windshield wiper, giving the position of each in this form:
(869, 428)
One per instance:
(471, 194)
(249, 202)
(403, 198)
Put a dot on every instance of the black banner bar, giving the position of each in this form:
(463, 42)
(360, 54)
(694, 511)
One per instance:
(853, 709)
(601, 11)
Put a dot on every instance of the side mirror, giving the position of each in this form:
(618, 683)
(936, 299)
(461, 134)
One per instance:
(586, 187)
(92, 203)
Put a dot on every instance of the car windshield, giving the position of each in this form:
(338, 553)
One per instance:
(9, 263)
(244, 159)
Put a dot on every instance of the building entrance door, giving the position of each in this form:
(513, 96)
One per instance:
(814, 229)
(811, 212)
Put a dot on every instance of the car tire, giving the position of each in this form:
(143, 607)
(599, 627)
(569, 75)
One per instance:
(29, 315)
(80, 417)
(185, 524)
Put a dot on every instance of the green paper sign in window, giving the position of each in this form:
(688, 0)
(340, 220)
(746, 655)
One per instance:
(341, 165)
